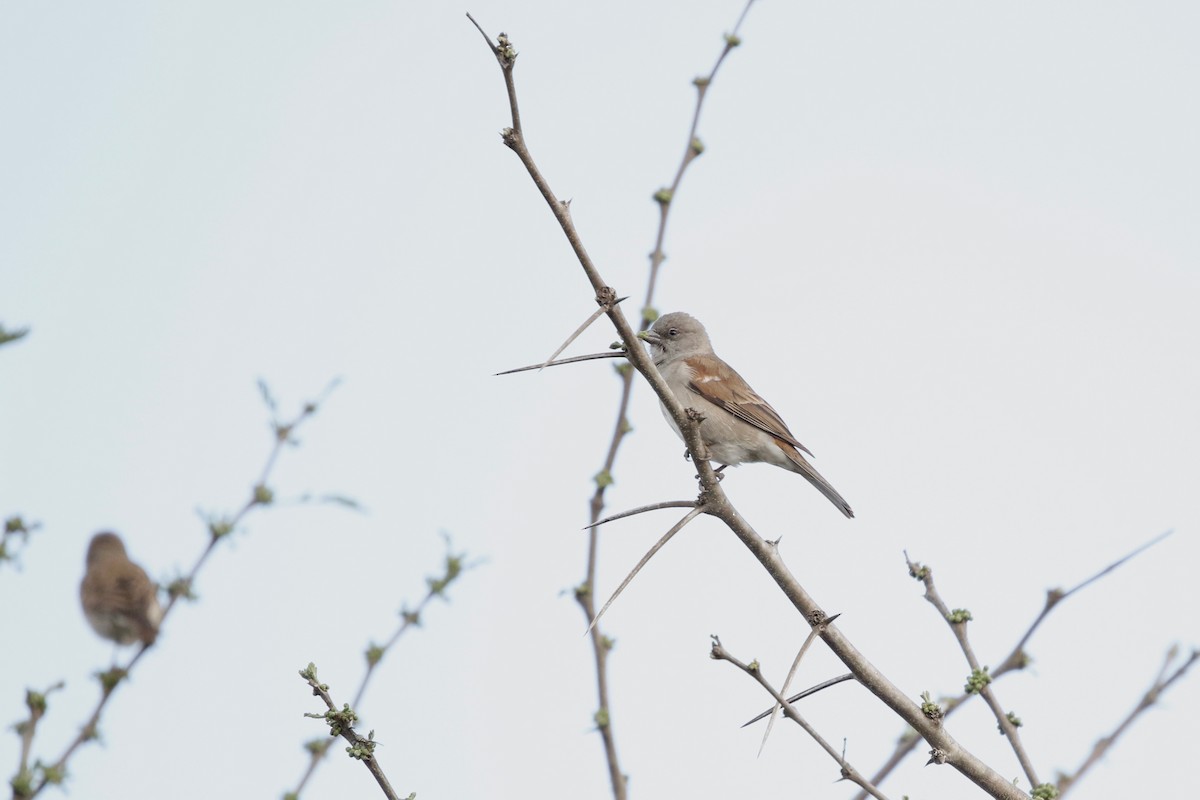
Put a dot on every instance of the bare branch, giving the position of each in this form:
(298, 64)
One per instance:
(1017, 658)
(1161, 683)
(692, 150)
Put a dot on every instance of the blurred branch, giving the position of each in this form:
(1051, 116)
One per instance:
(15, 528)
(22, 783)
(10, 336)
(1161, 683)
(514, 137)
(754, 670)
(453, 566)
(1017, 659)
(945, 749)
(341, 723)
(33, 779)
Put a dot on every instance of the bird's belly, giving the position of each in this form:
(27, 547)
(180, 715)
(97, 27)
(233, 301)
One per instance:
(729, 440)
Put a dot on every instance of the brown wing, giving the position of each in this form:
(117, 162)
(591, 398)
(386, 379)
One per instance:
(124, 588)
(719, 383)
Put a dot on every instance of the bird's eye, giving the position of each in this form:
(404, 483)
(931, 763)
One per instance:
(672, 332)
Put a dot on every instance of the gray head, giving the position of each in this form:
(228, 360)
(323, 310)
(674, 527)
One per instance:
(677, 335)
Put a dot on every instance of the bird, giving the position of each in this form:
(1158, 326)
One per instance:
(119, 599)
(738, 425)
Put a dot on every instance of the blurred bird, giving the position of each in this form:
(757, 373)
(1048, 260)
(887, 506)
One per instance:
(119, 599)
(738, 426)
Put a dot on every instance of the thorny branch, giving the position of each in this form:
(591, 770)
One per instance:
(514, 137)
(946, 749)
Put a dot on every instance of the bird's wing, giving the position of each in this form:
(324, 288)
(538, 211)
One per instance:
(129, 591)
(719, 383)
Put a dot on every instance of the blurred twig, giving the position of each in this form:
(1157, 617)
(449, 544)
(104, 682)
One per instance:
(9, 336)
(1161, 683)
(31, 779)
(15, 528)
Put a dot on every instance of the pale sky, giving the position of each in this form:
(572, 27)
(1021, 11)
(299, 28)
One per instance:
(955, 245)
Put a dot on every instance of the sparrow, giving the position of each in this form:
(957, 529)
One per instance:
(119, 599)
(738, 426)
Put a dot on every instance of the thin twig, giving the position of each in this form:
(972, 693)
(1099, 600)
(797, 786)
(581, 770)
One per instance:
(455, 565)
(341, 723)
(22, 782)
(1161, 683)
(980, 680)
(15, 527)
(693, 149)
(218, 529)
(754, 670)
(1017, 659)
(676, 528)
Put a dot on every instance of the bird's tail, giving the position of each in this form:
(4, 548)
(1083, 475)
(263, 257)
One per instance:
(810, 473)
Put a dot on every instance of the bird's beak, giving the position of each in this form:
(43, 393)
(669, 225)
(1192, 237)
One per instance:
(650, 336)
